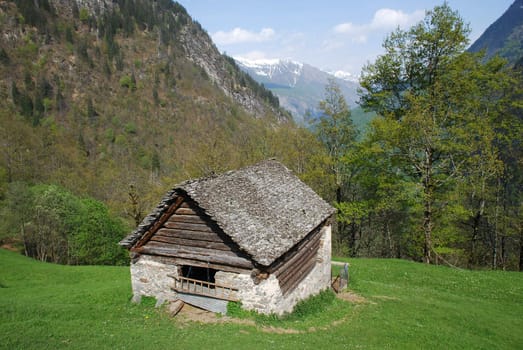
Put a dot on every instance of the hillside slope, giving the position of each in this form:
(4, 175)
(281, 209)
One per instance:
(399, 305)
(504, 36)
(98, 95)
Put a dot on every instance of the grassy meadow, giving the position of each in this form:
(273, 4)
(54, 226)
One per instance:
(400, 305)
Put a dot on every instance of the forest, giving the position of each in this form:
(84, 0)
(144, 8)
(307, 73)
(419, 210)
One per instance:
(97, 123)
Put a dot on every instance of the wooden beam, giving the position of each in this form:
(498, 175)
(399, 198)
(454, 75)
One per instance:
(297, 278)
(160, 221)
(186, 211)
(295, 268)
(188, 227)
(204, 255)
(191, 242)
(280, 262)
(202, 236)
(196, 250)
(294, 276)
(293, 256)
(220, 267)
(191, 219)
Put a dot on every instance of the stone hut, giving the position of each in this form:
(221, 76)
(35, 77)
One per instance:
(257, 235)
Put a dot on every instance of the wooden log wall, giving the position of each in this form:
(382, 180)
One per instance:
(190, 237)
(295, 265)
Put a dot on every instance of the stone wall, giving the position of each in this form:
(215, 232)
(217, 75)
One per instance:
(149, 277)
(266, 297)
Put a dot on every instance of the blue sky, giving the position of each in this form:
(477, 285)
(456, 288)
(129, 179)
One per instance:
(331, 35)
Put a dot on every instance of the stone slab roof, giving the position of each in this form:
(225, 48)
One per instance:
(264, 208)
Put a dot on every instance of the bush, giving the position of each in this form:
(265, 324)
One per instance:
(128, 81)
(131, 128)
(84, 14)
(96, 237)
(57, 226)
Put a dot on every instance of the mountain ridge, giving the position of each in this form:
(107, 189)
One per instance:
(299, 86)
(504, 36)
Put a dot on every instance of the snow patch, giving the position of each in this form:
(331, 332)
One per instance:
(267, 62)
(345, 76)
(269, 67)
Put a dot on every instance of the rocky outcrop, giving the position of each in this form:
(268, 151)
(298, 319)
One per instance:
(201, 50)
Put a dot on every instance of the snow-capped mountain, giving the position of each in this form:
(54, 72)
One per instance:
(282, 72)
(299, 86)
(345, 76)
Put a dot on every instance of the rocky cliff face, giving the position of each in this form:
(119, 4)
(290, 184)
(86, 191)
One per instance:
(200, 49)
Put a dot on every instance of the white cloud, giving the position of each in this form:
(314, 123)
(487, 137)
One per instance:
(383, 20)
(358, 33)
(345, 28)
(239, 36)
(390, 19)
(255, 55)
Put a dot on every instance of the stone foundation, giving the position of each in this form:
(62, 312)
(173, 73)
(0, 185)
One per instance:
(149, 277)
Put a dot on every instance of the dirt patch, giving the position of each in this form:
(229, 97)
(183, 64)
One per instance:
(189, 313)
(384, 297)
(352, 297)
(10, 247)
(278, 330)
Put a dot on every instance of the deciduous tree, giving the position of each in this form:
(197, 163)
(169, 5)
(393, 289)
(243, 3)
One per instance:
(435, 105)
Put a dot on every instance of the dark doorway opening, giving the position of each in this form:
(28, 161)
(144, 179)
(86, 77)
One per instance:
(199, 273)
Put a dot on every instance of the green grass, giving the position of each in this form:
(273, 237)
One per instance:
(318, 311)
(408, 306)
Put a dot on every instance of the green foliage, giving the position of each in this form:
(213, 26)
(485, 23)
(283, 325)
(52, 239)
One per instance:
(148, 301)
(413, 60)
(128, 82)
(350, 212)
(34, 15)
(28, 50)
(120, 140)
(83, 15)
(55, 225)
(438, 124)
(234, 309)
(95, 238)
(337, 132)
(82, 46)
(130, 128)
(109, 135)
